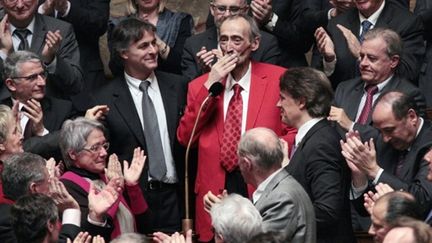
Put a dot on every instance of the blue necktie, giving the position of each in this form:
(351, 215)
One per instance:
(365, 28)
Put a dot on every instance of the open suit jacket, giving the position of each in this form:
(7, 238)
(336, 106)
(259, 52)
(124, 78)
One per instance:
(67, 78)
(408, 26)
(268, 51)
(318, 165)
(262, 112)
(349, 93)
(125, 131)
(413, 172)
(286, 207)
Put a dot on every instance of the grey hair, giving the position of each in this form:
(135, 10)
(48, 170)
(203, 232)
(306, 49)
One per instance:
(20, 170)
(254, 29)
(6, 116)
(74, 134)
(262, 146)
(236, 219)
(130, 238)
(13, 62)
(390, 37)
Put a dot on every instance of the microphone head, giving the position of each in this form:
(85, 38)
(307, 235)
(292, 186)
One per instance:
(215, 89)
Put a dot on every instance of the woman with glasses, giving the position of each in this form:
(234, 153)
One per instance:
(85, 152)
(172, 30)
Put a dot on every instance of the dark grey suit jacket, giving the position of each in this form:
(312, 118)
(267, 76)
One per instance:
(407, 25)
(286, 207)
(414, 170)
(319, 167)
(268, 51)
(349, 93)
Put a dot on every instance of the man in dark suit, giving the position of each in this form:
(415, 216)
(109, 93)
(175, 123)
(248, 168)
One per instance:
(89, 20)
(280, 199)
(398, 158)
(202, 50)
(380, 55)
(25, 79)
(53, 40)
(144, 109)
(283, 19)
(316, 162)
(340, 47)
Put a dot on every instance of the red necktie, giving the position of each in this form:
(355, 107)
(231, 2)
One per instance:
(232, 130)
(371, 90)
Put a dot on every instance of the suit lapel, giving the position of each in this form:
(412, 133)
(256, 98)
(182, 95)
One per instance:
(356, 96)
(125, 106)
(169, 98)
(39, 33)
(257, 91)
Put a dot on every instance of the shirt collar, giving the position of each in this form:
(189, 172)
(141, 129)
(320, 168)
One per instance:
(261, 187)
(305, 128)
(382, 84)
(244, 82)
(374, 17)
(134, 83)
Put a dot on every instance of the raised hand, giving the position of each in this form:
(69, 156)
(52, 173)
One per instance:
(48, 7)
(6, 45)
(338, 115)
(205, 59)
(133, 173)
(33, 110)
(100, 202)
(352, 41)
(211, 199)
(261, 10)
(61, 196)
(221, 69)
(325, 44)
(97, 112)
(52, 45)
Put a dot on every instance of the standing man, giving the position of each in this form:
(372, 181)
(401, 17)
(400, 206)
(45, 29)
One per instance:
(397, 158)
(22, 28)
(202, 50)
(248, 100)
(380, 55)
(316, 163)
(144, 109)
(340, 47)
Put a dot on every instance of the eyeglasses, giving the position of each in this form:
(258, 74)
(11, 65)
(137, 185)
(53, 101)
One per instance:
(33, 77)
(221, 9)
(11, 2)
(97, 147)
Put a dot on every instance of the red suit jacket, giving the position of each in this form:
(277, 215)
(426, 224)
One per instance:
(262, 112)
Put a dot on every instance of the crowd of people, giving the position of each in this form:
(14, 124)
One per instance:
(234, 127)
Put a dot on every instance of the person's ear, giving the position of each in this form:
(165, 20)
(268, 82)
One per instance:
(10, 84)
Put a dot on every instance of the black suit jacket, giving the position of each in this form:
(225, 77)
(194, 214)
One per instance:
(268, 51)
(414, 170)
(124, 126)
(55, 112)
(408, 26)
(349, 93)
(319, 167)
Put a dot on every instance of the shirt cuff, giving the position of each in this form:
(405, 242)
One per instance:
(356, 192)
(3, 55)
(329, 13)
(102, 224)
(72, 216)
(272, 23)
(380, 171)
(329, 67)
(351, 128)
(52, 66)
(45, 132)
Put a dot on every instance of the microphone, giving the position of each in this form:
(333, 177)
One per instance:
(214, 90)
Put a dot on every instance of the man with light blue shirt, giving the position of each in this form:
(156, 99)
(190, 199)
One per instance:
(380, 56)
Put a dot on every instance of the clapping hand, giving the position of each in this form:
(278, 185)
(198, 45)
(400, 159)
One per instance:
(133, 173)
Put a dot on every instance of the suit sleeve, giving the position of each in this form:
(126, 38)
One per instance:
(195, 98)
(189, 66)
(68, 231)
(272, 53)
(68, 75)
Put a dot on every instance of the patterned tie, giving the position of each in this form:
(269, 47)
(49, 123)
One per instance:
(371, 90)
(294, 148)
(22, 35)
(157, 166)
(365, 28)
(232, 130)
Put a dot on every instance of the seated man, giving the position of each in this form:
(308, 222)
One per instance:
(25, 78)
(235, 219)
(409, 230)
(388, 209)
